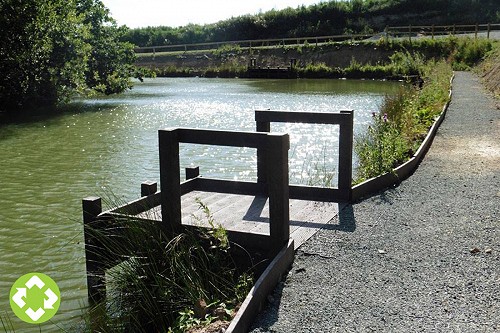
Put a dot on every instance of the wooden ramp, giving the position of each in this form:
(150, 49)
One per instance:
(249, 213)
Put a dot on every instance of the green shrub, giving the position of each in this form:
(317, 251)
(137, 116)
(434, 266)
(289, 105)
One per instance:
(406, 63)
(469, 52)
(406, 118)
(380, 149)
(319, 71)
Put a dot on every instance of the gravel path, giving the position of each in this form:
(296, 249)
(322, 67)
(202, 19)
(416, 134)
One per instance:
(421, 257)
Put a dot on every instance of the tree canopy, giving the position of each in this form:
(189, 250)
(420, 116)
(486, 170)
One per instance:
(52, 49)
(323, 19)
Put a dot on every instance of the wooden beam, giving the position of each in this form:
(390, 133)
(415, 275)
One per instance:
(312, 193)
(345, 156)
(264, 286)
(230, 186)
(148, 188)
(345, 119)
(192, 172)
(264, 116)
(170, 178)
(277, 173)
(221, 138)
(265, 127)
(96, 282)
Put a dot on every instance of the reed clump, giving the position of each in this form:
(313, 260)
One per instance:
(159, 281)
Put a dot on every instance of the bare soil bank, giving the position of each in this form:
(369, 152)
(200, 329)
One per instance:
(340, 55)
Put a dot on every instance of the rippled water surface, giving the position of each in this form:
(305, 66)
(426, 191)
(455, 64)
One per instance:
(108, 146)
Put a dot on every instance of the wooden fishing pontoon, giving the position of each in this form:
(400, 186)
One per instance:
(261, 216)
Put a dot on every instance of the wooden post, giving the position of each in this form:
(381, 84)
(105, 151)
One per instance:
(277, 171)
(148, 188)
(409, 32)
(475, 31)
(488, 32)
(454, 29)
(96, 283)
(432, 31)
(192, 173)
(345, 155)
(170, 178)
(261, 153)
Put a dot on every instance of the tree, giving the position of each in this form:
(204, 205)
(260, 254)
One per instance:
(52, 49)
(110, 62)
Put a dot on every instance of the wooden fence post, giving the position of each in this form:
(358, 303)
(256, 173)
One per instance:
(345, 155)
(476, 31)
(170, 178)
(489, 29)
(409, 32)
(432, 31)
(148, 187)
(96, 284)
(262, 126)
(192, 173)
(277, 171)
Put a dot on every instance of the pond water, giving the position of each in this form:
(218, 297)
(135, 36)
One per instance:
(108, 146)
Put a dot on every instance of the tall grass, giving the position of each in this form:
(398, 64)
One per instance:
(166, 282)
(403, 122)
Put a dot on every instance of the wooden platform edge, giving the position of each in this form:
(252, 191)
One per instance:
(376, 184)
(257, 296)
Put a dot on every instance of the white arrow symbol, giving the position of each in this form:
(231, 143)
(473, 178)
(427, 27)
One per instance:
(18, 297)
(35, 315)
(50, 301)
(35, 280)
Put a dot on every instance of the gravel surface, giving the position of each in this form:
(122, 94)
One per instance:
(421, 257)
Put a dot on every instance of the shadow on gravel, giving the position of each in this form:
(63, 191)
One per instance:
(271, 310)
(347, 221)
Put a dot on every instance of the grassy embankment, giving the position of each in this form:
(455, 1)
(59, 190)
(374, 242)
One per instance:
(404, 119)
(368, 59)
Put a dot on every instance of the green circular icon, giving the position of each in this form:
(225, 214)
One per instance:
(35, 298)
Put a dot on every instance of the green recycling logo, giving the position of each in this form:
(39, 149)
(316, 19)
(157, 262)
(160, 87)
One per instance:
(35, 298)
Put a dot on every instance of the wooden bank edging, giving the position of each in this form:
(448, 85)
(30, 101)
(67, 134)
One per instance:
(402, 172)
(264, 286)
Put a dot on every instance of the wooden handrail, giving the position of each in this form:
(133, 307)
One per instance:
(264, 118)
(275, 146)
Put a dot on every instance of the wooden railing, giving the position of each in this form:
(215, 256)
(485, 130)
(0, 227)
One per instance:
(254, 43)
(272, 181)
(275, 187)
(440, 30)
(389, 32)
(345, 119)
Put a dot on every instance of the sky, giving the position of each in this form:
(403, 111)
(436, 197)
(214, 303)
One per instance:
(143, 13)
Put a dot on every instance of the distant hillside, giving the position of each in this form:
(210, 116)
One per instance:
(326, 18)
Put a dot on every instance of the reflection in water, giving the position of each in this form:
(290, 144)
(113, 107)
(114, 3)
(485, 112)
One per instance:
(108, 146)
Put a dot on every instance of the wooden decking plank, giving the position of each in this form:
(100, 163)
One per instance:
(190, 208)
(247, 213)
(189, 204)
(234, 216)
(320, 213)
